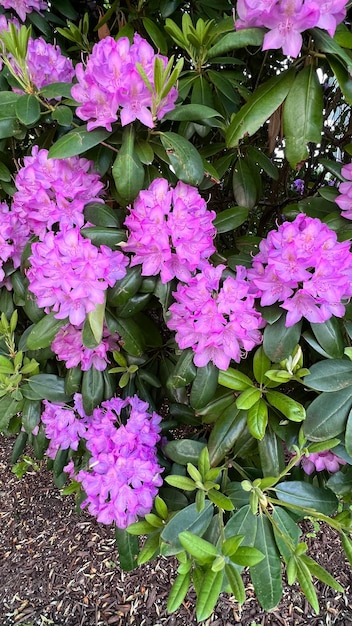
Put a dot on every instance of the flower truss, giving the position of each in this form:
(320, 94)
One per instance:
(170, 231)
(70, 275)
(68, 346)
(54, 191)
(219, 323)
(302, 266)
(287, 19)
(22, 7)
(110, 82)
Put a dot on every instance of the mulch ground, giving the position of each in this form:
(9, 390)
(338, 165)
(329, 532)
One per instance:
(58, 567)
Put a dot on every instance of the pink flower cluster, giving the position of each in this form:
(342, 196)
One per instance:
(123, 476)
(171, 231)
(68, 346)
(287, 19)
(344, 201)
(219, 323)
(110, 81)
(63, 429)
(22, 7)
(69, 275)
(46, 64)
(319, 461)
(54, 191)
(302, 266)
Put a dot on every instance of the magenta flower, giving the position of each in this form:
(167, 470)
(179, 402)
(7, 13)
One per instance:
(219, 323)
(170, 231)
(344, 201)
(286, 23)
(54, 191)
(123, 476)
(14, 235)
(304, 268)
(319, 461)
(68, 346)
(22, 7)
(63, 429)
(332, 13)
(46, 64)
(110, 83)
(69, 275)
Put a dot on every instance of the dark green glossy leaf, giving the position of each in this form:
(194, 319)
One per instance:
(184, 451)
(286, 532)
(330, 337)
(225, 432)
(127, 170)
(133, 340)
(246, 183)
(235, 40)
(329, 375)
(128, 548)
(261, 364)
(185, 371)
(234, 379)
(8, 408)
(189, 519)
(271, 454)
(243, 522)
(279, 341)
(192, 112)
(31, 412)
(184, 158)
(76, 142)
(204, 386)
(259, 107)
(229, 219)
(307, 496)
(327, 415)
(27, 109)
(257, 419)
(63, 115)
(92, 389)
(55, 90)
(236, 583)
(44, 332)
(303, 115)
(266, 576)
(45, 387)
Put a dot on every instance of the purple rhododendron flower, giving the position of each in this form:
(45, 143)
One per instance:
(302, 266)
(68, 346)
(287, 19)
(45, 64)
(110, 81)
(319, 461)
(171, 231)
(69, 275)
(63, 429)
(344, 201)
(54, 191)
(298, 185)
(123, 475)
(14, 235)
(22, 7)
(219, 323)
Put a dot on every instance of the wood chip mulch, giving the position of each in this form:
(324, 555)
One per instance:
(58, 567)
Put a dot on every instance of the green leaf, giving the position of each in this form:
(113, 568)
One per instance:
(192, 112)
(348, 434)
(124, 289)
(92, 389)
(234, 379)
(27, 110)
(321, 573)
(330, 337)
(45, 387)
(150, 549)
(63, 115)
(184, 158)
(44, 332)
(101, 214)
(128, 548)
(259, 158)
(203, 551)
(347, 546)
(248, 398)
(178, 591)
(181, 482)
(246, 182)
(271, 454)
(261, 364)
(329, 375)
(55, 90)
(329, 45)
(279, 341)
(342, 77)
(208, 594)
(307, 496)
(235, 40)
(327, 415)
(225, 432)
(77, 141)
(303, 115)
(127, 170)
(305, 581)
(185, 371)
(184, 451)
(204, 385)
(133, 340)
(189, 519)
(236, 583)
(155, 34)
(289, 407)
(247, 556)
(230, 219)
(257, 419)
(8, 408)
(220, 500)
(96, 321)
(31, 413)
(286, 532)
(266, 576)
(243, 522)
(259, 107)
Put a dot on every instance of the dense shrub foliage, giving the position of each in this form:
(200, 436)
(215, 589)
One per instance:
(176, 276)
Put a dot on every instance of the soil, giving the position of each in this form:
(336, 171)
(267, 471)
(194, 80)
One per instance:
(59, 567)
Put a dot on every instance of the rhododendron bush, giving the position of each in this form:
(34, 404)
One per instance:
(176, 277)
